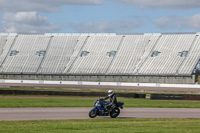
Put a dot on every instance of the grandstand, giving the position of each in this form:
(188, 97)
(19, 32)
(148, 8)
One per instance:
(151, 58)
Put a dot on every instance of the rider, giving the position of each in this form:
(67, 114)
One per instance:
(113, 99)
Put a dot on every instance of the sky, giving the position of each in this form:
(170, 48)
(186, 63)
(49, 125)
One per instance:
(99, 16)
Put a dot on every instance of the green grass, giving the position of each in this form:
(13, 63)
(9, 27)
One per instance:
(139, 125)
(198, 79)
(80, 102)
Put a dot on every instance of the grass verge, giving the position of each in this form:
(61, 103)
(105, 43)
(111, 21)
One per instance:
(139, 125)
(49, 101)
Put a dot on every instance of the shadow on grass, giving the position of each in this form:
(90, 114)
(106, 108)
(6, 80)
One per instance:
(108, 117)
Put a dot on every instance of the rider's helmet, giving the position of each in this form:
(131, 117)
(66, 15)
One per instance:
(110, 93)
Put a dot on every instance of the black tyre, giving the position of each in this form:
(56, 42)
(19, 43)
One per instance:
(115, 112)
(92, 113)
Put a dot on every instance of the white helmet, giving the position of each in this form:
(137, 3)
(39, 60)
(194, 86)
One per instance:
(110, 93)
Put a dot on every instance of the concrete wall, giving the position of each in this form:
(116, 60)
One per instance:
(174, 97)
(134, 79)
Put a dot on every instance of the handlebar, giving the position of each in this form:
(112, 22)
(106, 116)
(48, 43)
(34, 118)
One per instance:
(100, 99)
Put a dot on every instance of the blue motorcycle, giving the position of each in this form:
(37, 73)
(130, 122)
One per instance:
(100, 110)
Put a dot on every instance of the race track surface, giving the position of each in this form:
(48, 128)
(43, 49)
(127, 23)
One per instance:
(10, 114)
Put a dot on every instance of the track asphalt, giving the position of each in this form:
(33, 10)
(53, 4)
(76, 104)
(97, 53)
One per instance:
(11, 114)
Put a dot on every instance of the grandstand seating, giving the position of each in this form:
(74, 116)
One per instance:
(129, 54)
(97, 60)
(99, 54)
(169, 59)
(191, 59)
(26, 60)
(58, 54)
(5, 52)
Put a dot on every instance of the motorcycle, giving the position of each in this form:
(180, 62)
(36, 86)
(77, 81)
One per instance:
(100, 110)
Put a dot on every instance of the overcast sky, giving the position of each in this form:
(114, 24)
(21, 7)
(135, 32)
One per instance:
(104, 16)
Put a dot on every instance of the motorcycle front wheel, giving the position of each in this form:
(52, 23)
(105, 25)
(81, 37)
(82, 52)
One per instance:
(114, 113)
(92, 113)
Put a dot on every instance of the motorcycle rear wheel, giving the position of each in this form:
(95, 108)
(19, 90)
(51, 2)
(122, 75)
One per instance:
(92, 113)
(115, 112)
